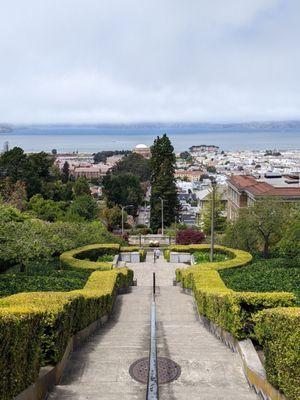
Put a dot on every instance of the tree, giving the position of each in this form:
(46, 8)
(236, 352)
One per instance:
(84, 207)
(48, 210)
(102, 156)
(260, 226)
(211, 169)
(163, 186)
(189, 236)
(122, 190)
(81, 187)
(113, 217)
(219, 218)
(134, 164)
(65, 173)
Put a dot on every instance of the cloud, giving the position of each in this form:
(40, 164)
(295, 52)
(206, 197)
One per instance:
(141, 60)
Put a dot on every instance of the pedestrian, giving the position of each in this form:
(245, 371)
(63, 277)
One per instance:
(157, 253)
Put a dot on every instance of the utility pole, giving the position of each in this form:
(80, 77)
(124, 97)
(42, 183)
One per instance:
(212, 235)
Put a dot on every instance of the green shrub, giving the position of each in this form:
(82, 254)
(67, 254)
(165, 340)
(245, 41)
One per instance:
(42, 324)
(77, 258)
(42, 277)
(143, 255)
(20, 351)
(265, 276)
(204, 256)
(167, 254)
(233, 311)
(128, 249)
(278, 330)
(106, 258)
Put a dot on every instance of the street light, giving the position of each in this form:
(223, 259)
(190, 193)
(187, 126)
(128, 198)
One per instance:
(162, 216)
(212, 235)
(123, 208)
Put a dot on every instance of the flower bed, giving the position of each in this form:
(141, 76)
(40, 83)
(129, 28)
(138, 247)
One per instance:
(35, 327)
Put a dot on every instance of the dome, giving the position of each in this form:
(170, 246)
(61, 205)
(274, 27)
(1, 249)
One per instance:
(141, 146)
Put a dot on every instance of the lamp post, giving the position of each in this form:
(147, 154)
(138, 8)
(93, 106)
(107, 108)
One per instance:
(162, 216)
(123, 208)
(212, 235)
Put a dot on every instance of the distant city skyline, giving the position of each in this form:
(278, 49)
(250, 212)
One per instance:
(115, 61)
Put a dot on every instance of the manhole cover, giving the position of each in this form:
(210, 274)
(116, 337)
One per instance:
(168, 370)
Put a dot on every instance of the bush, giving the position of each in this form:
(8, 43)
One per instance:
(278, 330)
(265, 276)
(36, 327)
(189, 236)
(20, 351)
(204, 256)
(233, 311)
(77, 258)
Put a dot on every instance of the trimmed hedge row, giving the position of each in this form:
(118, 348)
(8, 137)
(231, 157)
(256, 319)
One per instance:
(278, 330)
(86, 257)
(249, 314)
(233, 311)
(36, 327)
(142, 252)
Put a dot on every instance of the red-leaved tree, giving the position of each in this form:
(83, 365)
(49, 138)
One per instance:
(189, 236)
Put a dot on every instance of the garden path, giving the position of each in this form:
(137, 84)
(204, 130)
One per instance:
(99, 369)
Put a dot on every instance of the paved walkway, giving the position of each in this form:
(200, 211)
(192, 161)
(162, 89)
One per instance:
(99, 369)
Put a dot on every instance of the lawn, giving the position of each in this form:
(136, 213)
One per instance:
(265, 276)
(42, 277)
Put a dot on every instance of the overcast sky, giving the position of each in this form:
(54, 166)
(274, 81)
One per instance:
(149, 60)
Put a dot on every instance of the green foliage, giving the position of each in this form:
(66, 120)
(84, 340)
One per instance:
(106, 258)
(48, 210)
(265, 276)
(133, 164)
(163, 184)
(278, 330)
(36, 327)
(20, 351)
(124, 189)
(86, 257)
(220, 220)
(11, 214)
(81, 187)
(204, 257)
(65, 173)
(233, 311)
(41, 277)
(260, 226)
(83, 208)
(113, 217)
(102, 156)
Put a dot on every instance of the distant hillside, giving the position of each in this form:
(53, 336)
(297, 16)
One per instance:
(268, 126)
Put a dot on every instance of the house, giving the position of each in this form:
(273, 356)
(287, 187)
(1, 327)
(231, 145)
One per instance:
(244, 190)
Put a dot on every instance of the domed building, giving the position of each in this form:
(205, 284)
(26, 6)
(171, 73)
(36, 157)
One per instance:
(143, 150)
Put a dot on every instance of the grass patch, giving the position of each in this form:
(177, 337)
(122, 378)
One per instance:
(204, 257)
(275, 275)
(42, 277)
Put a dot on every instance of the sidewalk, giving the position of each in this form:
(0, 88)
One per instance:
(99, 369)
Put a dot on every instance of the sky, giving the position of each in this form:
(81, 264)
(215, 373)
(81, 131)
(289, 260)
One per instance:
(115, 61)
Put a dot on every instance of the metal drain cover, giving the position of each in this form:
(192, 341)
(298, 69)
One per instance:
(168, 370)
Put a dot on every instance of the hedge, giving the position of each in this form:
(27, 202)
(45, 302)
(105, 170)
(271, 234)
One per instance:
(86, 257)
(36, 327)
(278, 330)
(233, 311)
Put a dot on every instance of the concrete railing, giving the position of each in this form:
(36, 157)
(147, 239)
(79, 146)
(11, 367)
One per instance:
(144, 240)
(180, 257)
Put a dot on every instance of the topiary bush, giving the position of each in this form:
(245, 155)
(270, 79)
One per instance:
(36, 327)
(86, 257)
(278, 331)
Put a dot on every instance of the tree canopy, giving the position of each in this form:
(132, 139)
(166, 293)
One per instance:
(163, 185)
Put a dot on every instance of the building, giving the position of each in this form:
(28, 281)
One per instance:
(143, 150)
(188, 175)
(244, 190)
(203, 148)
(87, 171)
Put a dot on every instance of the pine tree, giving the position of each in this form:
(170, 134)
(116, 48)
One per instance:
(163, 185)
(65, 174)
